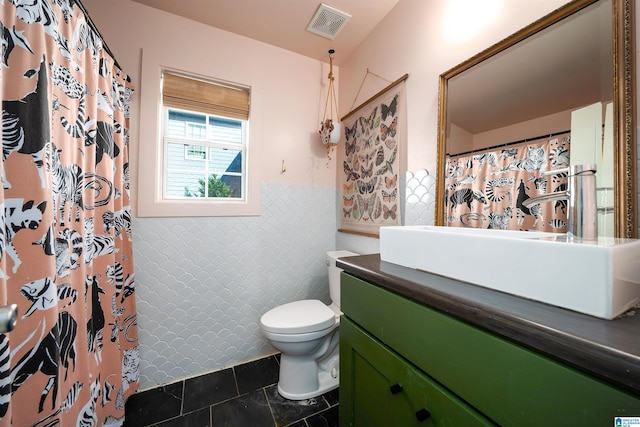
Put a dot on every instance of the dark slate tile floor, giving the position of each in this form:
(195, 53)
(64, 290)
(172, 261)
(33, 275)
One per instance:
(244, 395)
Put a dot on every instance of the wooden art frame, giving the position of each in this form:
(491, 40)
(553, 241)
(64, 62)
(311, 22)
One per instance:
(370, 162)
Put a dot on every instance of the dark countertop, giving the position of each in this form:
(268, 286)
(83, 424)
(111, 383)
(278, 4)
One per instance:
(607, 349)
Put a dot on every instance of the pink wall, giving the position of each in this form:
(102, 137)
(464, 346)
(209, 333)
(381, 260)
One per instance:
(553, 123)
(425, 39)
(421, 38)
(289, 89)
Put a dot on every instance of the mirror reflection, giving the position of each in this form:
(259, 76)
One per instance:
(514, 119)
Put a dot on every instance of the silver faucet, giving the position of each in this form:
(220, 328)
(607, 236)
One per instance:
(582, 220)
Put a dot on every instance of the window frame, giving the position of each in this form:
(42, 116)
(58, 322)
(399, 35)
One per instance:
(148, 182)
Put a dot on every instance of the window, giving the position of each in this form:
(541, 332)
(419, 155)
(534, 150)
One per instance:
(207, 112)
(203, 156)
(204, 140)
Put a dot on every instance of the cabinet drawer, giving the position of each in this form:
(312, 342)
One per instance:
(507, 382)
(379, 388)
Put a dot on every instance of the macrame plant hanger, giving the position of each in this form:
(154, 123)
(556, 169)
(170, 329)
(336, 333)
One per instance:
(330, 125)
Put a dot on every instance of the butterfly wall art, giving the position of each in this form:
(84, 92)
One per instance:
(370, 164)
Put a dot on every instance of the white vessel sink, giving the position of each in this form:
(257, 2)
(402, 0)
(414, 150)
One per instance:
(600, 278)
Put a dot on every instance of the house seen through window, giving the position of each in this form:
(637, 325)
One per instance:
(204, 140)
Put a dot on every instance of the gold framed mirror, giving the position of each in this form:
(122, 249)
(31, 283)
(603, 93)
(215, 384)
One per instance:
(582, 53)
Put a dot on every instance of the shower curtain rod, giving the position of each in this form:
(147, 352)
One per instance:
(94, 28)
(506, 144)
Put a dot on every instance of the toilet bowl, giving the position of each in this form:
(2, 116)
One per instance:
(306, 333)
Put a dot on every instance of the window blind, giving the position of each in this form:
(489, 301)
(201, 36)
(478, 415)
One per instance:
(211, 98)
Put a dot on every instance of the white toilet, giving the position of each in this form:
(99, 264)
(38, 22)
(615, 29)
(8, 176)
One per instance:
(306, 333)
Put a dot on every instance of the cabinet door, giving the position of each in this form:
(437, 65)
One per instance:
(379, 388)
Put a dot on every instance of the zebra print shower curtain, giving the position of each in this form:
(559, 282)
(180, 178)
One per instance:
(487, 189)
(66, 257)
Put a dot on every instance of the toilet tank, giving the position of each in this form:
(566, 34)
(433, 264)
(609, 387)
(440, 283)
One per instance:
(334, 274)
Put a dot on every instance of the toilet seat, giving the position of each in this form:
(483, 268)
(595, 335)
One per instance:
(298, 317)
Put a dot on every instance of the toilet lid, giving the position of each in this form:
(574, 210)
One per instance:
(298, 317)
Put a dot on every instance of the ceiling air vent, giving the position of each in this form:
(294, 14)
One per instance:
(327, 22)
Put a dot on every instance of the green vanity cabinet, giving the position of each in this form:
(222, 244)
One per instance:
(380, 388)
(462, 375)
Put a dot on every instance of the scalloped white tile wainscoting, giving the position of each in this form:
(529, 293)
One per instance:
(419, 198)
(203, 283)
